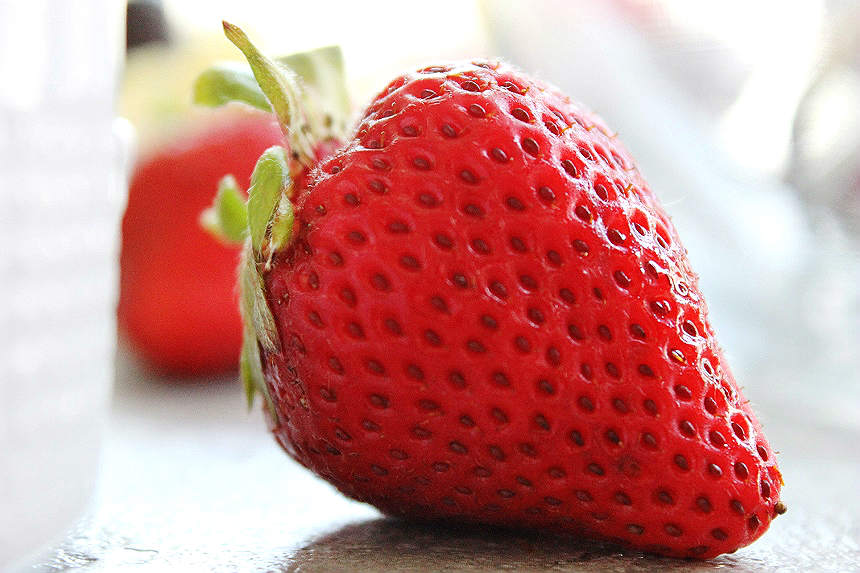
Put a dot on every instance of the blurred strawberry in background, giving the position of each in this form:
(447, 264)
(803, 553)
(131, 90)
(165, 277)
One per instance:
(177, 308)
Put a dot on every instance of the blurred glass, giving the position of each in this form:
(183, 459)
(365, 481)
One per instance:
(61, 194)
(824, 161)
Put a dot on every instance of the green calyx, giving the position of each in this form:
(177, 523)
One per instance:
(260, 330)
(307, 92)
(266, 218)
(227, 218)
(227, 82)
(281, 88)
(270, 211)
(308, 96)
(264, 223)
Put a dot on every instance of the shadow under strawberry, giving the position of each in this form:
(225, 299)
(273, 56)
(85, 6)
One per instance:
(393, 545)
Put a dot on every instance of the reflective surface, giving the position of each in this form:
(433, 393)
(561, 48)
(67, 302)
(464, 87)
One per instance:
(192, 482)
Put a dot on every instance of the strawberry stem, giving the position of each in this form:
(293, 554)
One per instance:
(325, 96)
(281, 88)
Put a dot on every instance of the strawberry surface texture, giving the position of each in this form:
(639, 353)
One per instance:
(483, 313)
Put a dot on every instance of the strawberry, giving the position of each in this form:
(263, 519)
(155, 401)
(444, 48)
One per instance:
(177, 304)
(477, 309)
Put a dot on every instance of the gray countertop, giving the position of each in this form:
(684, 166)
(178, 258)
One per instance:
(193, 482)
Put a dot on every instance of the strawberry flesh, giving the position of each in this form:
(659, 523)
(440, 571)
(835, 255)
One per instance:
(485, 314)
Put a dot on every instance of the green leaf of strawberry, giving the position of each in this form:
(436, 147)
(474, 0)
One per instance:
(269, 184)
(227, 82)
(477, 309)
(227, 218)
(321, 88)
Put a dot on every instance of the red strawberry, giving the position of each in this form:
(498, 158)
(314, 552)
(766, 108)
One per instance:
(477, 309)
(177, 305)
